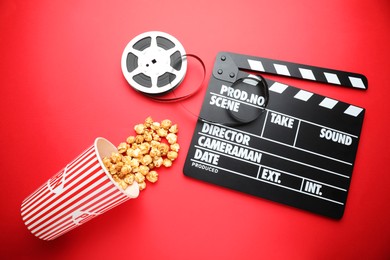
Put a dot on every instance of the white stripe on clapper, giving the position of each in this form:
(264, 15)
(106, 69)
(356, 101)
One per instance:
(353, 111)
(303, 95)
(307, 74)
(256, 65)
(328, 103)
(282, 69)
(278, 87)
(332, 78)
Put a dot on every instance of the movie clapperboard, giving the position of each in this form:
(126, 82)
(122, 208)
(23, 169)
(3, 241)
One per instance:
(300, 151)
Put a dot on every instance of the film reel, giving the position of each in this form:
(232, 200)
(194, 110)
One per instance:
(152, 63)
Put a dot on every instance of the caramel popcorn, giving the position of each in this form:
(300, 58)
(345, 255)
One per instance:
(126, 160)
(144, 148)
(112, 169)
(139, 129)
(146, 160)
(175, 147)
(153, 145)
(107, 162)
(155, 125)
(139, 177)
(162, 132)
(143, 169)
(167, 162)
(130, 139)
(156, 137)
(139, 139)
(142, 185)
(172, 155)
(122, 147)
(166, 124)
(152, 176)
(163, 148)
(115, 157)
(148, 121)
(129, 179)
(174, 129)
(126, 169)
(148, 137)
(134, 163)
(123, 184)
(172, 138)
(155, 152)
(136, 153)
(157, 161)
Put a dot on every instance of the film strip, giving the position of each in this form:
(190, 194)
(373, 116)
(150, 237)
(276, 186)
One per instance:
(300, 151)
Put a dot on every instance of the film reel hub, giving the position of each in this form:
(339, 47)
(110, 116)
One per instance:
(153, 63)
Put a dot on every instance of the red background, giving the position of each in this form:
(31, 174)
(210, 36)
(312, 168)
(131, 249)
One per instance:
(61, 86)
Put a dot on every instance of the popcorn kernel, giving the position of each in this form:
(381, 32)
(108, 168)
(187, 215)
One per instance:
(143, 169)
(148, 121)
(115, 157)
(142, 185)
(130, 139)
(139, 177)
(139, 139)
(157, 161)
(172, 155)
(123, 184)
(175, 147)
(166, 124)
(107, 162)
(171, 138)
(163, 148)
(167, 162)
(155, 125)
(139, 129)
(174, 129)
(162, 132)
(146, 160)
(152, 176)
(122, 147)
(126, 169)
(129, 179)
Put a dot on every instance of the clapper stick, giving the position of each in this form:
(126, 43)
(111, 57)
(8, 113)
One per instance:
(234, 62)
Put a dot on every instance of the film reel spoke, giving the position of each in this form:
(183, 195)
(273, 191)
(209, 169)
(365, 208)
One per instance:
(135, 72)
(153, 43)
(154, 81)
(174, 72)
(136, 52)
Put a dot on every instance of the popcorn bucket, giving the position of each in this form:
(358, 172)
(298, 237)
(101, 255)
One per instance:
(81, 191)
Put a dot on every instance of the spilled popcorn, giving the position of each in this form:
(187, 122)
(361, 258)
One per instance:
(154, 145)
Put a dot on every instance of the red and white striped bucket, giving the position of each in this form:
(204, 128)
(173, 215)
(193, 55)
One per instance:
(79, 192)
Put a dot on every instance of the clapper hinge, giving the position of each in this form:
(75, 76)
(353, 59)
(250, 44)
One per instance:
(225, 68)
